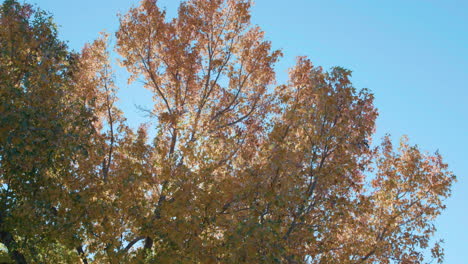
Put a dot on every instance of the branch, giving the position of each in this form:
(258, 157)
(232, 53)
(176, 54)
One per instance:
(82, 255)
(133, 242)
(6, 238)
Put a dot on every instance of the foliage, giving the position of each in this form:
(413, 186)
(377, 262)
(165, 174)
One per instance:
(240, 170)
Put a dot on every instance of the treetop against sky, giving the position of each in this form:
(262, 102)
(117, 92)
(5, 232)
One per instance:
(250, 154)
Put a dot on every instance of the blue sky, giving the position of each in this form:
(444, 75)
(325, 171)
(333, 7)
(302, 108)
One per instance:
(412, 54)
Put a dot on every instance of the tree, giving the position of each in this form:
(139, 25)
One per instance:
(240, 170)
(42, 131)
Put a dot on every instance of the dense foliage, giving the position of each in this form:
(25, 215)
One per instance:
(240, 170)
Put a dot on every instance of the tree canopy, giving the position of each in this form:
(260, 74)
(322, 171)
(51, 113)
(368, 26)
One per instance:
(240, 169)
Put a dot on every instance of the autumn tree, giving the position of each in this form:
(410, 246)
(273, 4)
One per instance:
(239, 170)
(42, 130)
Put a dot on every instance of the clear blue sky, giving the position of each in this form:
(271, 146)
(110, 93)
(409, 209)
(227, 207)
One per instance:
(412, 54)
